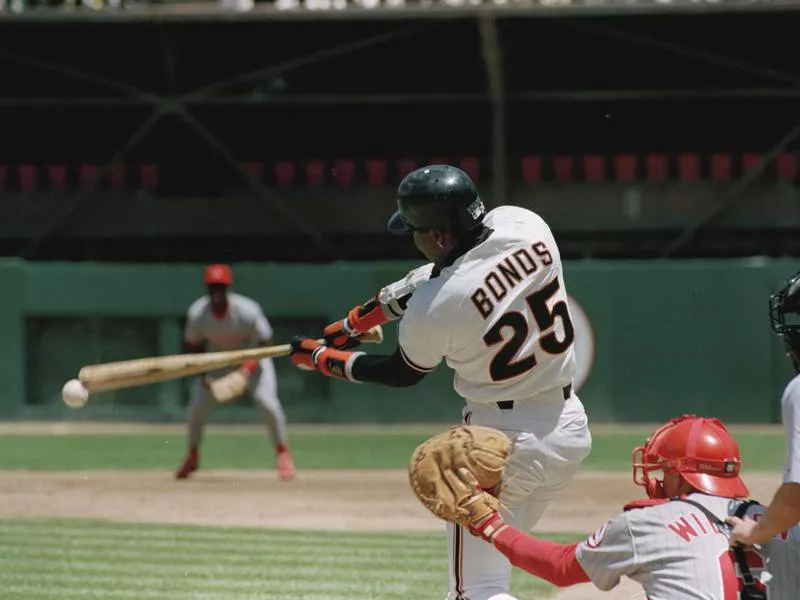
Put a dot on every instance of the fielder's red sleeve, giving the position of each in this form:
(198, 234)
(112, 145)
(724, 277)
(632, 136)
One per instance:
(250, 366)
(547, 560)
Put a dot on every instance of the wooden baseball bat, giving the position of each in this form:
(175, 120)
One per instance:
(144, 371)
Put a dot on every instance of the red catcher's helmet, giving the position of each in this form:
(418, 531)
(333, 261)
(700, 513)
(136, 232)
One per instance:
(218, 274)
(700, 450)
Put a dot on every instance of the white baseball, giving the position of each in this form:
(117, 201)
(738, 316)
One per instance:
(74, 394)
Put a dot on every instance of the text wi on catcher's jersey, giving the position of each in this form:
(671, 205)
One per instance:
(243, 326)
(498, 315)
(677, 553)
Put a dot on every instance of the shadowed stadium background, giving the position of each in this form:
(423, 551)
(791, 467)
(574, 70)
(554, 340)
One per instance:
(142, 141)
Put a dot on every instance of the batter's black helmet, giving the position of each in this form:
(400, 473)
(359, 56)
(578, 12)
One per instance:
(783, 303)
(437, 196)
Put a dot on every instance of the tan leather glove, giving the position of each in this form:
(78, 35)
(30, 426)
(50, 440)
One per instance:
(454, 473)
(229, 387)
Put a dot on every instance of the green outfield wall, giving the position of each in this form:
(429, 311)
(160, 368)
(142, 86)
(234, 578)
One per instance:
(659, 338)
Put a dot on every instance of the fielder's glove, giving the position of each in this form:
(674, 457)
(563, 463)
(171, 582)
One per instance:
(229, 387)
(457, 476)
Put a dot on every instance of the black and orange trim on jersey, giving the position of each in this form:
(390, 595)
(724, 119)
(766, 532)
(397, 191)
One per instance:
(412, 364)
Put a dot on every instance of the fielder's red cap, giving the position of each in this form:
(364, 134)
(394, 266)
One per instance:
(220, 274)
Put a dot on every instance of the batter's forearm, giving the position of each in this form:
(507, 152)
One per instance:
(556, 563)
(781, 515)
(385, 370)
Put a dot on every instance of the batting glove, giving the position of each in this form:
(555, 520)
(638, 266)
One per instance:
(308, 354)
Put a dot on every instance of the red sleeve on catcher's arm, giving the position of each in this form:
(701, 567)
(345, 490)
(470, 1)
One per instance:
(554, 562)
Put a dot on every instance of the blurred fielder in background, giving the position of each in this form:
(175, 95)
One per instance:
(220, 321)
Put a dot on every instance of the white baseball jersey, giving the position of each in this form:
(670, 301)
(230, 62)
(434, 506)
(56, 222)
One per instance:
(790, 415)
(672, 549)
(243, 326)
(498, 315)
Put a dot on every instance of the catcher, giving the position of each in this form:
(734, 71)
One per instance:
(674, 543)
(221, 321)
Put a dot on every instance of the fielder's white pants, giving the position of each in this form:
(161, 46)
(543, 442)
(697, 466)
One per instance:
(551, 438)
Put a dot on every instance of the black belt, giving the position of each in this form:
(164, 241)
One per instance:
(509, 404)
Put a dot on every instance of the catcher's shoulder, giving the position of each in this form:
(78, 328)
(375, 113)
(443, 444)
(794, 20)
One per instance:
(644, 503)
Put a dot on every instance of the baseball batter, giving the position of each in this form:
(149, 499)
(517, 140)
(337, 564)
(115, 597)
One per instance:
(493, 305)
(222, 321)
(674, 548)
(784, 511)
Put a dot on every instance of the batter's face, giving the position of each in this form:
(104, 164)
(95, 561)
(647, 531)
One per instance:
(218, 294)
(435, 244)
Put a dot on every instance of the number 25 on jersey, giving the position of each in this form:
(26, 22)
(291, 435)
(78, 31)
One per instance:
(506, 364)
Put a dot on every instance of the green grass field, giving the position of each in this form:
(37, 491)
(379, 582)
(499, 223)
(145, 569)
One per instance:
(363, 449)
(69, 559)
(58, 559)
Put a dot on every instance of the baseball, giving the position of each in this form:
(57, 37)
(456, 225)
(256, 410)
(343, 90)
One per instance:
(74, 394)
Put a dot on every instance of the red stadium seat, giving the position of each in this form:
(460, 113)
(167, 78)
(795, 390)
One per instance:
(149, 177)
(57, 176)
(688, 167)
(376, 171)
(594, 168)
(344, 171)
(27, 177)
(471, 166)
(404, 167)
(625, 168)
(562, 165)
(284, 172)
(86, 174)
(787, 166)
(749, 161)
(118, 176)
(656, 167)
(531, 169)
(721, 167)
(315, 172)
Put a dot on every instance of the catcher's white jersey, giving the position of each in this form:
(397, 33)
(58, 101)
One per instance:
(498, 315)
(243, 326)
(790, 415)
(677, 553)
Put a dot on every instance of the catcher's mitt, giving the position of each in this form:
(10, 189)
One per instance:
(434, 472)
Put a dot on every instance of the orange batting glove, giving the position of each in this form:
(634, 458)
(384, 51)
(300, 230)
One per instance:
(310, 355)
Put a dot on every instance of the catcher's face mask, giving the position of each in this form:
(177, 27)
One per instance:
(784, 316)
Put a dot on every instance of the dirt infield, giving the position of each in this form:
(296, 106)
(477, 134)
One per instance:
(352, 500)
